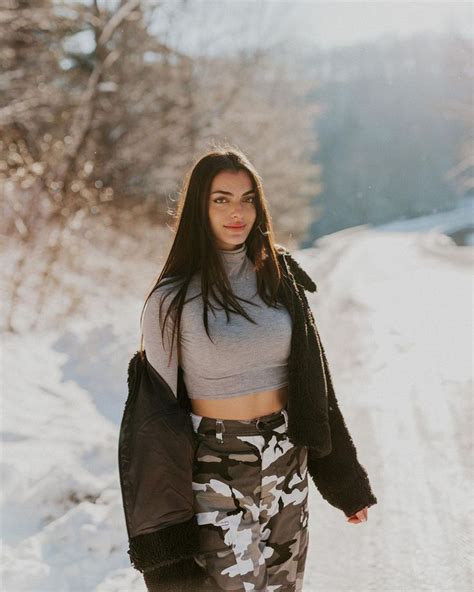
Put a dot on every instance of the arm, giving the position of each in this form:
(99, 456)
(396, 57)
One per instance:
(176, 574)
(340, 478)
(157, 351)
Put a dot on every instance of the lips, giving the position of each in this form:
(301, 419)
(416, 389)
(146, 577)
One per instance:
(236, 226)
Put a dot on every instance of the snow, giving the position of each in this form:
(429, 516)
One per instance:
(394, 310)
(458, 218)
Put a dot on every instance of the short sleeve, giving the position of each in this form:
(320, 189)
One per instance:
(157, 351)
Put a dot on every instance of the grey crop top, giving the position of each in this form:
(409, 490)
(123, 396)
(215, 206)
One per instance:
(244, 358)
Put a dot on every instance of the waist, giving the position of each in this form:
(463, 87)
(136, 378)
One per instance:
(245, 407)
(209, 426)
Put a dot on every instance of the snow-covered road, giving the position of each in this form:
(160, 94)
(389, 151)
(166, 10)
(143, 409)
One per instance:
(397, 323)
(394, 311)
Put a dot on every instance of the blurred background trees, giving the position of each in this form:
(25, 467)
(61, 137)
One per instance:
(397, 117)
(100, 119)
(102, 113)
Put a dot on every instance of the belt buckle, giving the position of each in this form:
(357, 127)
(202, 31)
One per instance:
(283, 413)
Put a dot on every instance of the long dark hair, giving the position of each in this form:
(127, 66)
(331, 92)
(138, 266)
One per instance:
(193, 249)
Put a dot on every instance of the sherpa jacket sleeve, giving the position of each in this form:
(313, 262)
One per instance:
(180, 574)
(157, 349)
(340, 478)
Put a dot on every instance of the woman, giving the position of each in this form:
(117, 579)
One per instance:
(250, 466)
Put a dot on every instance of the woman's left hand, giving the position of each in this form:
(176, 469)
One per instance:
(360, 516)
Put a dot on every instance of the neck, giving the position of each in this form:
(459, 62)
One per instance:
(235, 261)
(242, 247)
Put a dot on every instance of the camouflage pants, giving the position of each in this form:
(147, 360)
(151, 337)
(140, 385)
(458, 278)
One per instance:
(250, 487)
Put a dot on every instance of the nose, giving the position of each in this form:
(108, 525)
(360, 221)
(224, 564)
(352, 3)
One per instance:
(237, 210)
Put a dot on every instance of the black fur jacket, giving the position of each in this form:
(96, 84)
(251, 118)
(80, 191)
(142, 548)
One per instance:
(156, 448)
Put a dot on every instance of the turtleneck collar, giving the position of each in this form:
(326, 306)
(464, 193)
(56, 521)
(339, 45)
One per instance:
(235, 262)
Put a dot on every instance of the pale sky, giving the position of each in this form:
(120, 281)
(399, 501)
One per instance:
(220, 25)
(342, 23)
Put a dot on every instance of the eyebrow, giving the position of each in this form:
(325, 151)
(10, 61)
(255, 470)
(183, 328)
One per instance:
(229, 193)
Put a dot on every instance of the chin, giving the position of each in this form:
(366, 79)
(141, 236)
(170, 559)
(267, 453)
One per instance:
(233, 241)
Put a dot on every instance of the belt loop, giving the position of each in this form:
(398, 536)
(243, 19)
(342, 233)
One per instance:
(285, 415)
(219, 429)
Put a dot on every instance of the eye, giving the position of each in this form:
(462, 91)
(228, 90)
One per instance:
(251, 197)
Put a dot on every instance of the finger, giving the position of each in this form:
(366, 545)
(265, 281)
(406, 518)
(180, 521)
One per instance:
(353, 519)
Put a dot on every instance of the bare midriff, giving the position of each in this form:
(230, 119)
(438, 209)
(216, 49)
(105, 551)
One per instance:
(248, 406)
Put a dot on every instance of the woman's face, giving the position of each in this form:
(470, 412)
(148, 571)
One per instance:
(231, 203)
